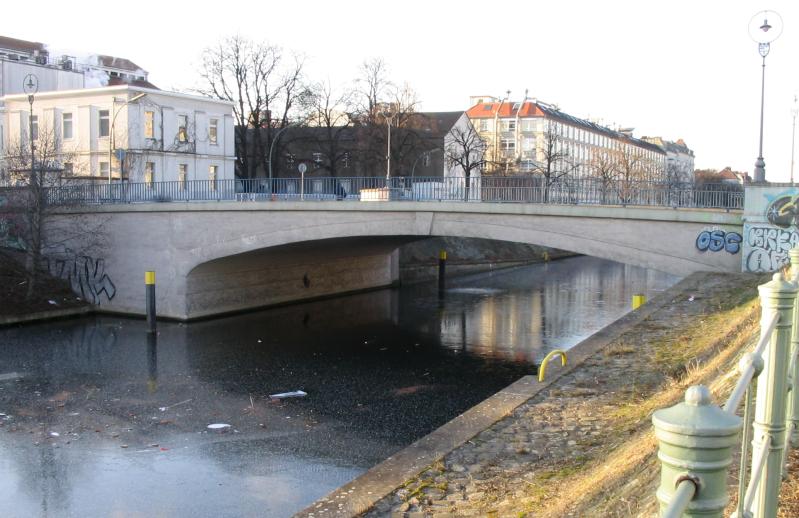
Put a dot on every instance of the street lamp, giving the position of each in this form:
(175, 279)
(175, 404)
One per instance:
(763, 33)
(388, 117)
(31, 85)
(794, 112)
(112, 143)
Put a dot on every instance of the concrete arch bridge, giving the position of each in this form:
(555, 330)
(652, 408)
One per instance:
(217, 257)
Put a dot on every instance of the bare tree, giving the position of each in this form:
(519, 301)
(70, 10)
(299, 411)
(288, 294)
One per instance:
(604, 168)
(465, 149)
(556, 162)
(328, 115)
(264, 87)
(30, 170)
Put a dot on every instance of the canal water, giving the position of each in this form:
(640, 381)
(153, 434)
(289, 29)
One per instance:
(97, 420)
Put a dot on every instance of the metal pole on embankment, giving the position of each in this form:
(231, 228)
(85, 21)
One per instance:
(777, 296)
(149, 283)
(792, 422)
(442, 271)
(639, 300)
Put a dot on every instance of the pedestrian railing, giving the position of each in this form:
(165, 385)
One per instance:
(494, 189)
(696, 437)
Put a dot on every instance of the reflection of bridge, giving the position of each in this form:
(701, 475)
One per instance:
(213, 257)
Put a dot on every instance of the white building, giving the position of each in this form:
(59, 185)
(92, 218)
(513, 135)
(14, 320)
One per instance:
(523, 136)
(19, 58)
(157, 135)
(679, 159)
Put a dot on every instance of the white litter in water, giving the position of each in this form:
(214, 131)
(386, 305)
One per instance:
(54, 303)
(55, 434)
(283, 395)
(218, 426)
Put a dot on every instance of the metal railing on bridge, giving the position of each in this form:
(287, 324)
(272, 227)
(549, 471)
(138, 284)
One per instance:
(696, 437)
(494, 189)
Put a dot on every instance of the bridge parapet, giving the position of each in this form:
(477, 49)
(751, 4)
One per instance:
(491, 189)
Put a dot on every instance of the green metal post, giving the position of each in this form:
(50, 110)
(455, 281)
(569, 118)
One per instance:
(793, 398)
(776, 297)
(696, 439)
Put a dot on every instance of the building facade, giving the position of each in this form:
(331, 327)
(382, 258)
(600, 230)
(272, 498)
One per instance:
(536, 137)
(125, 133)
(679, 159)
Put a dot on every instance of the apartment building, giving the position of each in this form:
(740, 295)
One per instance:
(679, 159)
(125, 133)
(522, 137)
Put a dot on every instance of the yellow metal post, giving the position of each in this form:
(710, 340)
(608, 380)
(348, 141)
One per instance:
(639, 299)
(149, 284)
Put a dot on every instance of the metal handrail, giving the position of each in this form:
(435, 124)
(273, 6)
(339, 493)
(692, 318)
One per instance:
(681, 499)
(731, 406)
(758, 465)
(494, 189)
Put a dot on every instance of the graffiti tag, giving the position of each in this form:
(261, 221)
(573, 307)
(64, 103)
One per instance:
(718, 240)
(768, 248)
(86, 277)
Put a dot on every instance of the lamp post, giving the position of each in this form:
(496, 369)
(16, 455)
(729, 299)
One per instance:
(272, 148)
(794, 113)
(425, 154)
(763, 33)
(31, 85)
(388, 117)
(112, 143)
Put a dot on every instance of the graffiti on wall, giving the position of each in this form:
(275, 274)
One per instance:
(771, 215)
(768, 248)
(86, 275)
(716, 240)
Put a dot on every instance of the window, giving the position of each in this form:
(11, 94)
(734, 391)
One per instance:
(212, 130)
(34, 127)
(289, 159)
(508, 144)
(317, 158)
(483, 124)
(345, 160)
(183, 170)
(149, 123)
(104, 123)
(426, 160)
(212, 176)
(66, 126)
(183, 123)
(68, 168)
(511, 125)
(1, 138)
(149, 173)
(104, 171)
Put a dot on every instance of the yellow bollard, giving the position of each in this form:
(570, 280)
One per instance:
(543, 367)
(639, 300)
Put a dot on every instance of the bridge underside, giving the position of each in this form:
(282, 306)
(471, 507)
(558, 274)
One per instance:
(298, 271)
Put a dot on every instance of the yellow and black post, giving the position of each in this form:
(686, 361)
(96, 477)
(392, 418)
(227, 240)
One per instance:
(442, 271)
(149, 283)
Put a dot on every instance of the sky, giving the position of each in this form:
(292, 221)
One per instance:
(676, 69)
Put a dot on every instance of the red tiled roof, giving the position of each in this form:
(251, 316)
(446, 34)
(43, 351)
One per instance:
(489, 110)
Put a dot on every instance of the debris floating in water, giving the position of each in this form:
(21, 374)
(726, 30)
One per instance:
(283, 395)
(218, 426)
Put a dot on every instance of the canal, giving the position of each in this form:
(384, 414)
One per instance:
(95, 420)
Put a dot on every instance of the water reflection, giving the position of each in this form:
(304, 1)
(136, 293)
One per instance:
(381, 369)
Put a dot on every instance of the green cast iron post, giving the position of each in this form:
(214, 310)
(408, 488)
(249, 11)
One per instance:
(696, 439)
(793, 398)
(777, 296)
